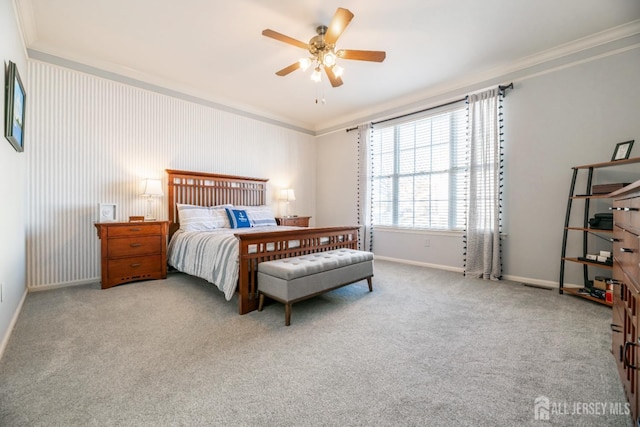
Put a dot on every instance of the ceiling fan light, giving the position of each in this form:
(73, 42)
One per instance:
(316, 76)
(305, 63)
(337, 70)
(329, 59)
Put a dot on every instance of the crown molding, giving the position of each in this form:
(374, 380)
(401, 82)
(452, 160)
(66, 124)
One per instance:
(26, 21)
(573, 53)
(146, 82)
(580, 45)
(545, 60)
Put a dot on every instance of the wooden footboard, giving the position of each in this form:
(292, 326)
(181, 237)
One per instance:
(258, 247)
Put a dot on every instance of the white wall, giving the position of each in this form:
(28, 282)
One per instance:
(337, 164)
(12, 186)
(93, 140)
(554, 120)
(571, 117)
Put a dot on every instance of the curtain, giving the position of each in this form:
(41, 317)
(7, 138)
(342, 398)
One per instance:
(483, 257)
(365, 188)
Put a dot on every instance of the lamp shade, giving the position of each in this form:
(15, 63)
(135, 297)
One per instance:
(152, 188)
(287, 194)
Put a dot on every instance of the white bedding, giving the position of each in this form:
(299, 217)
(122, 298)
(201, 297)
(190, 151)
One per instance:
(211, 255)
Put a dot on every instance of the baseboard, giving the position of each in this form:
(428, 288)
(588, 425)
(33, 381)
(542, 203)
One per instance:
(524, 280)
(536, 282)
(63, 285)
(7, 335)
(420, 264)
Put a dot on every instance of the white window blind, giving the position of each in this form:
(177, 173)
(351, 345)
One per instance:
(418, 171)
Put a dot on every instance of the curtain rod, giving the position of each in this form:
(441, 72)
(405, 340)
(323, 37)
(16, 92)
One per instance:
(501, 88)
(411, 114)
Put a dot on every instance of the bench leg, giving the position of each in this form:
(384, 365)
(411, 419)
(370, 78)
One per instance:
(260, 302)
(287, 314)
(369, 282)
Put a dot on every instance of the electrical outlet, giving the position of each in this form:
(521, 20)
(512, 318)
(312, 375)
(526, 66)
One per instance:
(427, 243)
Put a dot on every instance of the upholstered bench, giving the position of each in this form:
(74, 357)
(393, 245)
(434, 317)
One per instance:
(289, 280)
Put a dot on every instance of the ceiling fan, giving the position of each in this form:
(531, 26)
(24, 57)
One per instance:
(323, 52)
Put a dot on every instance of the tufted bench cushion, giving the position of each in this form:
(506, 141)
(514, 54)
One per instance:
(289, 280)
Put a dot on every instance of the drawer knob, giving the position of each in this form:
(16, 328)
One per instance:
(136, 264)
(135, 229)
(136, 245)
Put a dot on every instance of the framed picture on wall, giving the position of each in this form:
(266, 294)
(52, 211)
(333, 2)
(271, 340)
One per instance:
(14, 107)
(622, 151)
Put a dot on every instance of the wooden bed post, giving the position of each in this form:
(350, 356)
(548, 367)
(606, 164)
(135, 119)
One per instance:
(247, 286)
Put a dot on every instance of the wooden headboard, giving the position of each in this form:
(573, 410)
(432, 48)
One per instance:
(210, 189)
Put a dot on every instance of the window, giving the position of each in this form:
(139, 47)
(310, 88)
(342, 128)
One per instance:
(418, 171)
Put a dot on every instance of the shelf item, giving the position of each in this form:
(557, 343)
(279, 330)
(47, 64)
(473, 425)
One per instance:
(132, 251)
(607, 188)
(587, 295)
(625, 322)
(587, 227)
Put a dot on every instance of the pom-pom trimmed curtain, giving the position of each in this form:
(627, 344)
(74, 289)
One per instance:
(483, 251)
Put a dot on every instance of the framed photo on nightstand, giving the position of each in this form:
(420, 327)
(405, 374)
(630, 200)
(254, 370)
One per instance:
(107, 212)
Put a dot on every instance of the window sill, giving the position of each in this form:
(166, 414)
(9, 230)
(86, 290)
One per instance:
(424, 231)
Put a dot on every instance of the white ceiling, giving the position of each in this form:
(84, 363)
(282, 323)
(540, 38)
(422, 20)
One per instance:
(214, 50)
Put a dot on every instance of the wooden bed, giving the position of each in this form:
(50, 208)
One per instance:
(207, 189)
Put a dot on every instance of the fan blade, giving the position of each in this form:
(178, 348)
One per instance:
(286, 39)
(338, 24)
(335, 81)
(291, 68)
(362, 55)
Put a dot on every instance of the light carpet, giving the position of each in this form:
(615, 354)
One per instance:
(426, 347)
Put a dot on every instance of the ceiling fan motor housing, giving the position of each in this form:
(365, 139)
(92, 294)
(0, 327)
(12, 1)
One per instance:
(317, 43)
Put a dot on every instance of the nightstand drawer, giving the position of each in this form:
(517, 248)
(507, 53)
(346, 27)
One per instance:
(132, 246)
(134, 230)
(134, 268)
(294, 221)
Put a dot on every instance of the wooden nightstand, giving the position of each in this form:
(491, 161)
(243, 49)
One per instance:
(294, 221)
(132, 251)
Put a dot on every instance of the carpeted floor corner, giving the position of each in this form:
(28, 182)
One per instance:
(426, 347)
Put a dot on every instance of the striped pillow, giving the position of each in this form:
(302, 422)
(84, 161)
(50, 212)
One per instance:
(260, 215)
(202, 218)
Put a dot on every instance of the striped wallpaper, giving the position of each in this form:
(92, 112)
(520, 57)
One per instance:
(90, 140)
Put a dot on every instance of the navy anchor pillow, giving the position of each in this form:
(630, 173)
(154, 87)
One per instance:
(238, 218)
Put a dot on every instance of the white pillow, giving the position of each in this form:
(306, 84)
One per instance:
(202, 218)
(220, 216)
(260, 216)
